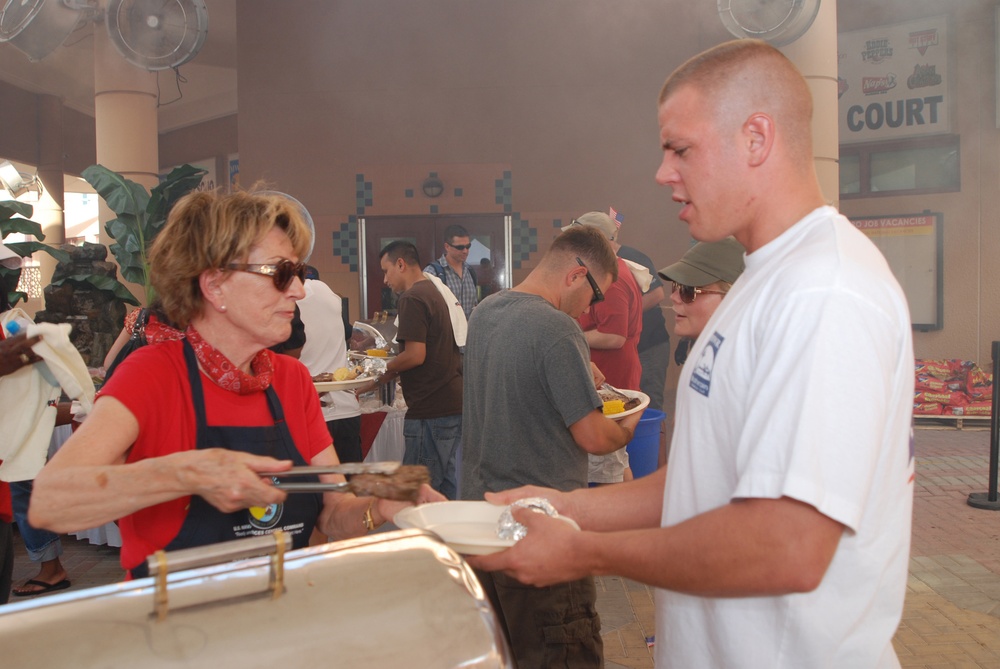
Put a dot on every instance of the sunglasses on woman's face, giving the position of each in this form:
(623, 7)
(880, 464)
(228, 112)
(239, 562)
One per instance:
(281, 273)
(690, 293)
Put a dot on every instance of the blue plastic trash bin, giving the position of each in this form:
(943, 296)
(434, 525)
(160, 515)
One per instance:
(644, 449)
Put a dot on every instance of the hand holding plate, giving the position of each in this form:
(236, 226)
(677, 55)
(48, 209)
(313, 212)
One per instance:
(540, 558)
(506, 497)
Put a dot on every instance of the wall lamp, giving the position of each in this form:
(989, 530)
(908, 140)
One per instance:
(18, 183)
(432, 187)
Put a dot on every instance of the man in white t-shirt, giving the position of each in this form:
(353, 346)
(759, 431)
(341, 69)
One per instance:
(325, 350)
(778, 533)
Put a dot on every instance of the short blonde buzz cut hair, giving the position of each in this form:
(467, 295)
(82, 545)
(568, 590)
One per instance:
(210, 229)
(745, 76)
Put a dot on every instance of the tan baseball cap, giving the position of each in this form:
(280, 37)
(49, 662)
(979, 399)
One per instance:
(596, 219)
(707, 262)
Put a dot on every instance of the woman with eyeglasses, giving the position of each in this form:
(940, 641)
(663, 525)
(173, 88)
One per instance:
(700, 279)
(179, 440)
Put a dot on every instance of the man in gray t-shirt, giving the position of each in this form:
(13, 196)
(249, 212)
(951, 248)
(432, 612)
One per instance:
(531, 416)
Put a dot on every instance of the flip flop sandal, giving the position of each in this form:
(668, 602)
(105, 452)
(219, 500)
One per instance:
(43, 588)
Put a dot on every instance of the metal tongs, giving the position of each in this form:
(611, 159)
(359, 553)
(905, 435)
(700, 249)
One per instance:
(347, 469)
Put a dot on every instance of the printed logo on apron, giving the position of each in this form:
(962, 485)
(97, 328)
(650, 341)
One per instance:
(265, 517)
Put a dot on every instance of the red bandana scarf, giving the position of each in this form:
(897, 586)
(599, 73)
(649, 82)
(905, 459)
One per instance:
(225, 374)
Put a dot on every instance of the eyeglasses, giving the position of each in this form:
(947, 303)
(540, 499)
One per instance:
(690, 293)
(281, 273)
(598, 295)
(460, 247)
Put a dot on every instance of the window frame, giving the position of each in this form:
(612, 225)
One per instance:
(864, 152)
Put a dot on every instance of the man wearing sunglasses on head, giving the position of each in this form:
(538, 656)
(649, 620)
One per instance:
(532, 415)
(453, 269)
(700, 279)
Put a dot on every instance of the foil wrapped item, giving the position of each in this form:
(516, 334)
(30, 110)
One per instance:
(370, 367)
(510, 529)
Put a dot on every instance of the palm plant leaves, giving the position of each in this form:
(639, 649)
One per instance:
(141, 214)
(14, 219)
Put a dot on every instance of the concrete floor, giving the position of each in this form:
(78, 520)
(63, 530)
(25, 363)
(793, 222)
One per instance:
(952, 614)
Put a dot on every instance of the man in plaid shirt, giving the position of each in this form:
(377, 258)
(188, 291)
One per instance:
(451, 267)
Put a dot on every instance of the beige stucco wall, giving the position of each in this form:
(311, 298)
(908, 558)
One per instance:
(971, 243)
(561, 93)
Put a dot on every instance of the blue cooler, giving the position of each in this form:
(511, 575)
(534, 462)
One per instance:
(644, 449)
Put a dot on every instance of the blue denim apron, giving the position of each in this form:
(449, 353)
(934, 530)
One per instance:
(204, 524)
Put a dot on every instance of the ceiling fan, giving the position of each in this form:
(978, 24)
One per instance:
(779, 22)
(151, 34)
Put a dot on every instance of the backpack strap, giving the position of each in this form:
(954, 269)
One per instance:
(439, 272)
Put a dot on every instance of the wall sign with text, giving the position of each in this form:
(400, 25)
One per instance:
(912, 244)
(893, 81)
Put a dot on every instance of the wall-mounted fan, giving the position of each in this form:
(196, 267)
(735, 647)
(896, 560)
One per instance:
(38, 27)
(157, 34)
(779, 22)
(151, 34)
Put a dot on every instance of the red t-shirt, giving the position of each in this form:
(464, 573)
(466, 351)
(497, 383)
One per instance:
(152, 383)
(620, 313)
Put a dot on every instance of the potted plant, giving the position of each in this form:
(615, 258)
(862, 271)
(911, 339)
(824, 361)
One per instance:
(14, 218)
(141, 215)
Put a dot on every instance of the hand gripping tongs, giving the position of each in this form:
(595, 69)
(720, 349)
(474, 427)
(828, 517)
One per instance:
(389, 480)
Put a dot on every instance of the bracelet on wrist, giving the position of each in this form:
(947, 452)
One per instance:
(368, 519)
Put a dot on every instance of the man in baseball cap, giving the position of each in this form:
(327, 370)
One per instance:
(612, 327)
(599, 220)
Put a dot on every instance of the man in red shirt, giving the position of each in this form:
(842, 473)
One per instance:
(612, 328)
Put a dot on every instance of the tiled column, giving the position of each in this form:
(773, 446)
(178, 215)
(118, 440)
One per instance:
(126, 124)
(48, 210)
(815, 54)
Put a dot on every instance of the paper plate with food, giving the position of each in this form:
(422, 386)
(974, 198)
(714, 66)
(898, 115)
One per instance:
(344, 378)
(619, 403)
(473, 528)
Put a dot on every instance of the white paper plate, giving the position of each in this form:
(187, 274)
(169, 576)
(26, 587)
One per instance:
(470, 528)
(327, 386)
(643, 403)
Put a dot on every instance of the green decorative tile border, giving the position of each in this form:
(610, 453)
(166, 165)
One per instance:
(345, 243)
(362, 194)
(524, 240)
(503, 192)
